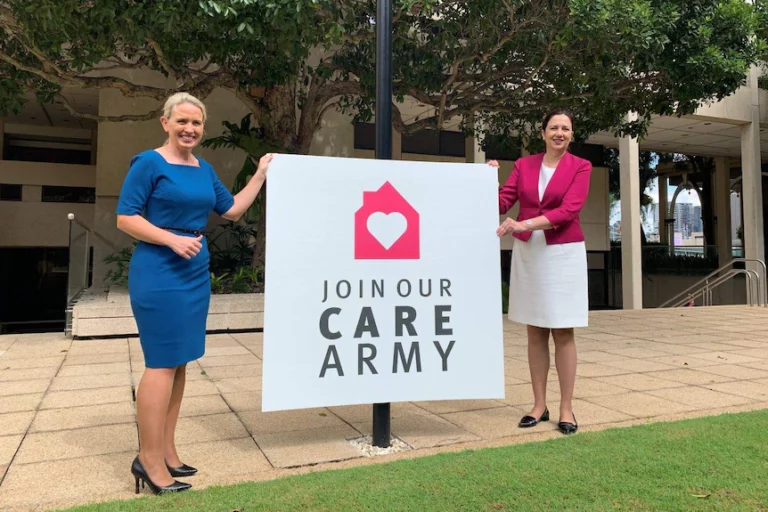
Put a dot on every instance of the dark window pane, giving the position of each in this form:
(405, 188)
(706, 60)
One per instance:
(424, 142)
(365, 136)
(501, 147)
(452, 144)
(53, 194)
(592, 152)
(10, 192)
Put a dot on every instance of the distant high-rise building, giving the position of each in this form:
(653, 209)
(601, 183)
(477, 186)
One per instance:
(697, 223)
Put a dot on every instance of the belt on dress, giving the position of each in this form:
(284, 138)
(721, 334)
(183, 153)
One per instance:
(183, 230)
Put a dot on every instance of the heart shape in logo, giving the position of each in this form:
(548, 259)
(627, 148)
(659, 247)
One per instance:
(387, 228)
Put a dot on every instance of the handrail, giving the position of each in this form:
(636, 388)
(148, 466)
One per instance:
(750, 274)
(702, 283)
(706, 292)
(112, 245)
(81, 240)
(701, 291)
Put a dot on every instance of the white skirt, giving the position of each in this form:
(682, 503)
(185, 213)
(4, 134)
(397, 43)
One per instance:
(549, 284)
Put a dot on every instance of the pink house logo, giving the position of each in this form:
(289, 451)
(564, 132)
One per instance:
(386, 227)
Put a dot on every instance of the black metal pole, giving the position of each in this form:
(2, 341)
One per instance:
(381, 416)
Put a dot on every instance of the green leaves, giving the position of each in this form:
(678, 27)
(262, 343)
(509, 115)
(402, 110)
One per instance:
(508, 60)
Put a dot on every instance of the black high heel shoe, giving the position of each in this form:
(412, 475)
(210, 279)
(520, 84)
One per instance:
(140, 474)
(181, 471)
(529, 421)
(567, 427)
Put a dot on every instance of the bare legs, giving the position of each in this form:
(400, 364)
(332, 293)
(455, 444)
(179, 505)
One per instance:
(174, 406)
(565, 362)
(158, 402)
(538, 362)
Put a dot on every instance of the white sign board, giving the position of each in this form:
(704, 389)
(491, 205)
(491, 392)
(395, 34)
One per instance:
(383, 283)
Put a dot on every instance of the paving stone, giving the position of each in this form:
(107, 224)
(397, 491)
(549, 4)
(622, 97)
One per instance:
(640, 405)
(68, 482)
(21, 364)
(203, 405)
(700, 398)
(214, 427)
(77, 443)
(218, 461)
(217, 373)
(24, 387)
(211, 362)
(737, 372)
(638, 382)
(8, 446)
(598, 370)
(15, 422)
(304, 447)
(689, 376)
(750, 389)
(76, 398)
(91, 382)
(84, 416)
(259, 423)
(20, 403)
(45, 372)
(94, 369)
(496, 423)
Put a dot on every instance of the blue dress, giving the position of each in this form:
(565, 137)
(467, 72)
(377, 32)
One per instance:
(170, 295)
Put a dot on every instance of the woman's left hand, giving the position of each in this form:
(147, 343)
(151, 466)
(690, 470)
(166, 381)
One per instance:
(509, 226)
(264, 165)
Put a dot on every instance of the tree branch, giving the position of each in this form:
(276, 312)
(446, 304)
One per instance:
(154, 114)
(161, 58)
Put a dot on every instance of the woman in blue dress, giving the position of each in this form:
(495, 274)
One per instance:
(165, 203)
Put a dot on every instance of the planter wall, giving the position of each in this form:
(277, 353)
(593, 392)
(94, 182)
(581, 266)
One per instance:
(99, 313)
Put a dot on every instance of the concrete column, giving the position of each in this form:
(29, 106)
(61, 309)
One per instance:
(723, 210)
(397, 145)
(752, 191)
(631, 251)
(94, 145)
(663, 200)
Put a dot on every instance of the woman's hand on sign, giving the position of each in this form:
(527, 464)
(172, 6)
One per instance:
(185, 246)
(493, 163)
(510, 226)
(264, 165)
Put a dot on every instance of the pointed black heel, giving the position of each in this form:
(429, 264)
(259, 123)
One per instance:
(529, 421)
(181, 471)
(140, 474)
(567, 427)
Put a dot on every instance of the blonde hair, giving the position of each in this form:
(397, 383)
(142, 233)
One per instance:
(182, 97)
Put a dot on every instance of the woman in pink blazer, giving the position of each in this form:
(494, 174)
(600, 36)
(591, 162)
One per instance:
(548, 277)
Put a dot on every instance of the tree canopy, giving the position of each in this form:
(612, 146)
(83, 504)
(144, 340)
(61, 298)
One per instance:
(505, 61)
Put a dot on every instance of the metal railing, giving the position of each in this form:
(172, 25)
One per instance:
(82, 240)
(757, 291)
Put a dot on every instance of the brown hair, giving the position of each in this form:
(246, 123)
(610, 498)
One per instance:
(556, 112)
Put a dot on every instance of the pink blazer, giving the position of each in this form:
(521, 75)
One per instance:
(562, 201)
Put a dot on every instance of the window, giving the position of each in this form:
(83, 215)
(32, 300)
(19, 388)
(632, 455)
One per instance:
(52, 194)
(10, 192)
(28, 148)
(501, 147)
(424, 142)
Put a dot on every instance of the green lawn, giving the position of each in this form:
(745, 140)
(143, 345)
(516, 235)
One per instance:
(718, 463)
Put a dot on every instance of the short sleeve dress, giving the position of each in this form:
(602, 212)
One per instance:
(170, 295)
